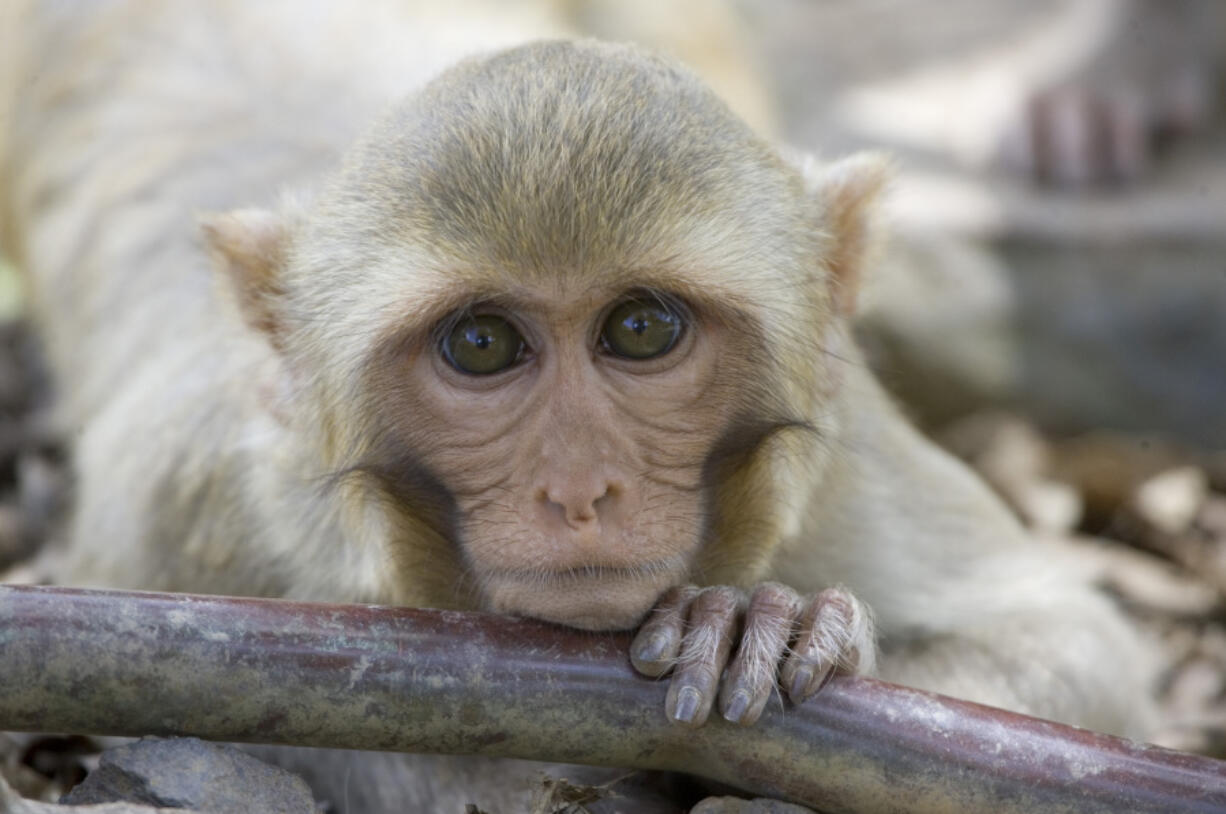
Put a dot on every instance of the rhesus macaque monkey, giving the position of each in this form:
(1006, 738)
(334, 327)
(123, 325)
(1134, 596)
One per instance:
(559, 337)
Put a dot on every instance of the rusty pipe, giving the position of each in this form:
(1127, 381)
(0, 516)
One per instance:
(406, 679)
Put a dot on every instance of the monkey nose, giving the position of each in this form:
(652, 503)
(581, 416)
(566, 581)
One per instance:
(579, 503)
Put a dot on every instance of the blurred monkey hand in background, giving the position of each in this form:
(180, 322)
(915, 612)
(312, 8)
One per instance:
(1072, 93)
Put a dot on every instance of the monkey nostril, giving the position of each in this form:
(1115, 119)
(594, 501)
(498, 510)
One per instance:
(580, 515)
(576, 506)
(581, 509)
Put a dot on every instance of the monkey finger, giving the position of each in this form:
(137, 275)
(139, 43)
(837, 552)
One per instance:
(1070, 138)
(711, 628)
(653, 652)
(769, 623)
(1126, 136)
(835, 632)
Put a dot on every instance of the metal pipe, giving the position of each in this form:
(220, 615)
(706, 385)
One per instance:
(405, 679)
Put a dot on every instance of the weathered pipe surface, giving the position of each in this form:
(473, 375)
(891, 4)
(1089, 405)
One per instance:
(415, 680)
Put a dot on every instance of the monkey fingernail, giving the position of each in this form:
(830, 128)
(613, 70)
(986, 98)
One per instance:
(653, 649)
(689, 700)
(737, 706)
(652, 656)
(806, 681)
(802, 679)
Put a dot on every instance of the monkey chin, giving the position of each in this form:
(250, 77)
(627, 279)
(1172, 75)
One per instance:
(589, 603)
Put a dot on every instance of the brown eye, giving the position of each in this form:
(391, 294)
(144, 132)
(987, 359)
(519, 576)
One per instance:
(641, 329)
(482, 344)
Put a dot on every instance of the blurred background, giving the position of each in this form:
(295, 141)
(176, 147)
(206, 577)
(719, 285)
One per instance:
(1050, 297)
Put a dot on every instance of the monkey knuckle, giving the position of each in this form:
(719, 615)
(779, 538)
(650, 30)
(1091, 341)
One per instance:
(774, 599)
(677, 597)
(838, 606)
(768, 632)
(828, 638)
(665, 616)
(837, 595)
(672, 609)
(841, 634)
(718, 600)
(687, 593)
(774, 589)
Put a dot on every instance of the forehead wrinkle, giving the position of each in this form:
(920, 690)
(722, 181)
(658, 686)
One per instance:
(686, 262)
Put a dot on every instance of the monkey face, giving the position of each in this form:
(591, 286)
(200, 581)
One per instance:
(571, 431)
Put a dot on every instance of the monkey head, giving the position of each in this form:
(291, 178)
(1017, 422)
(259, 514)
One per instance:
(563, 327)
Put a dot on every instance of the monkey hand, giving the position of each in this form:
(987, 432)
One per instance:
(1079, 135)
(804, 639)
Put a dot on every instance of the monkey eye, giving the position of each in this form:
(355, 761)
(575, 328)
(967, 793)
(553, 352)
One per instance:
(642, 328)
(482, 344)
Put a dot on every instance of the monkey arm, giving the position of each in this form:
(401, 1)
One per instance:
(965, 603)
(1074, 661)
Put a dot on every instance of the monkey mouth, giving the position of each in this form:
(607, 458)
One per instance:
(586, 573)
(592, 597)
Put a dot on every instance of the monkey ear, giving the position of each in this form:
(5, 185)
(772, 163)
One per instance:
(249, 247)
(847, 192)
